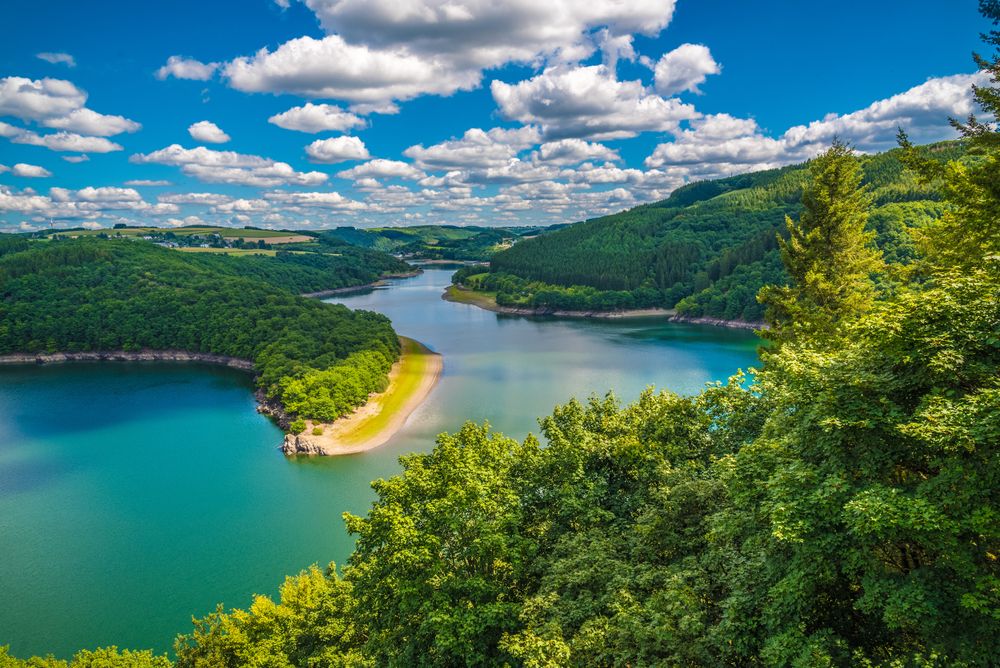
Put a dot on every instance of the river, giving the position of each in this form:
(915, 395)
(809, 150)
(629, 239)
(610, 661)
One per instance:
(133, 495)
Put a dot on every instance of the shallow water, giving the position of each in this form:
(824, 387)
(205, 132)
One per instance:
(133, 495)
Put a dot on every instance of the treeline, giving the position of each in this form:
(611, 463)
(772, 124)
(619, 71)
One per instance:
(335, 265)
(693, 249)
(433, 242)
(90, 294)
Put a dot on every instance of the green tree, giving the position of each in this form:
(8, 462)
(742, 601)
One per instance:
(828, 254)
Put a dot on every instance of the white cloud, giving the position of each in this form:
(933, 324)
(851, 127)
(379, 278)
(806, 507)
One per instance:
(59, 141)
(30, 171)
(57, 103)
(684, 69)
(29, 99)
(208, 132)
(380, 168)
(328, 200)
(88, 122)
(332, 68)
(57, 58)
(337, 149)
(486, 33)
(147, 182)
(76, 158)
(317, 118)
(180, 67)
(475, 149)
(213, 166)
(573, 151)
(720, 144)
(206, 199)
(588, 102)
(378, 51)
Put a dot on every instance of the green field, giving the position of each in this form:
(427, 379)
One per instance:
(272, 236)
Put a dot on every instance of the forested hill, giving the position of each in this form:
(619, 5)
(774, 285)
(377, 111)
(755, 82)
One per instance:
(707, 249)
(319, 360)
(434, 242)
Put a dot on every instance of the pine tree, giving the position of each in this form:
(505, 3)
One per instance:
(829, 254)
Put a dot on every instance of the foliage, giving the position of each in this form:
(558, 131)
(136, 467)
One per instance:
(828, 254)
(707, 239)
(91, 295)
(106, 657)
(432, 242)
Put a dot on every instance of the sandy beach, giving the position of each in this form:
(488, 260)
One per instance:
(410, 381)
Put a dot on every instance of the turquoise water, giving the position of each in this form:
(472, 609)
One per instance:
(133, 495)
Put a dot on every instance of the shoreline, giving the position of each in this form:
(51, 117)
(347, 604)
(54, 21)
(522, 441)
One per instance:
(487, 303)
(463, 295)
(127, 356)
(410, 382)
(366, 286)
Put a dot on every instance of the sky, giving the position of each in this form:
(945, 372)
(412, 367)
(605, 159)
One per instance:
(299, 114)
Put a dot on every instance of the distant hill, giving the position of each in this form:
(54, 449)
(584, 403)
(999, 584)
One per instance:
(436, 242)
(705, 250)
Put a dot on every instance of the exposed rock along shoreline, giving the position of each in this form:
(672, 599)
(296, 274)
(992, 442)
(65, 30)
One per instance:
(366, 286)
(718, 322)
(670, 314)
(127, 356)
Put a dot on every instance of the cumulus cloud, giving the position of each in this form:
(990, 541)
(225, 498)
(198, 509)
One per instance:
(180, 67)
(89, 202)
(588, 102)
(58, 141)
(475, 149)
(88, 122)
(206, 199)
(323, 200)
(213, 166)
(57, 58)
(208, 132)
(337, 149)
(573, 151)
(380, 169)
(684, 69)
(486, 33)
(76, 158)
(721, 144)
(332, 68)
(378, 51)
(56, 103)
(30, 171)
(317, 118)
(148, 182)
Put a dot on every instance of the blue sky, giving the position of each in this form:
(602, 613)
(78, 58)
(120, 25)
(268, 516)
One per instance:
(458, 111)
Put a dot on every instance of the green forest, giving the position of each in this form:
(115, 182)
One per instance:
(435, 242)
(706, 250)
(840, 506)
(104, 294)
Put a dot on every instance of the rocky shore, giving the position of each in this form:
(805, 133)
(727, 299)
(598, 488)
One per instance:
(127, 356)
(717, 322)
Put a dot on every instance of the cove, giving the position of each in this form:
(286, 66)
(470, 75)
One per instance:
(134, 495)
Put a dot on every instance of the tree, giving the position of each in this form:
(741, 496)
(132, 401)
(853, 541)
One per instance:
(828, 254)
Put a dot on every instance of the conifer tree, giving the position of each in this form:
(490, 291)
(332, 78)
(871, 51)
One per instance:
(829, 254)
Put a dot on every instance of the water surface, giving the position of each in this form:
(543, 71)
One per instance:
(133, 495)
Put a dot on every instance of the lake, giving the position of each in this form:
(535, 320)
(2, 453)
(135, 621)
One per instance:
(133, 495)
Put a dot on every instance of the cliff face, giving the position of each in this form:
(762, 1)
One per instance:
(301, 444)
(127, 356)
